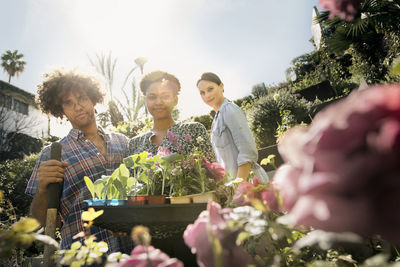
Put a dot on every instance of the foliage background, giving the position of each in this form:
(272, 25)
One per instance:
(14, 175)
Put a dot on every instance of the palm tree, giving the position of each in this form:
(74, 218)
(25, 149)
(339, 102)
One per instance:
(12, 63)
(372, 38)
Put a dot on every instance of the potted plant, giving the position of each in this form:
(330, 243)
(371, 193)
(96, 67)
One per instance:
(190, 176)
(111, 190)
(146, 170)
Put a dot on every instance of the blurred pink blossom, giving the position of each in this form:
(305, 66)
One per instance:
(213, 222)
(342, 173)
(139, 258)
(163, 151)
(255, 189)
(215, 170)
(344, 9)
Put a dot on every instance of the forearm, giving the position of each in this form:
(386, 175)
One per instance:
(38, 207)
(244, 171)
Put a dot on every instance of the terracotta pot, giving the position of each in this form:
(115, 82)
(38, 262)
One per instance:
(138, 200)
(157, 199)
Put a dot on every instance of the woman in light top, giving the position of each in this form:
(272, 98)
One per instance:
(231, 137)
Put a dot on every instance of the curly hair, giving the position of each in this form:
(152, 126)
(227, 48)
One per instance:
(156, 76)
(58, 84)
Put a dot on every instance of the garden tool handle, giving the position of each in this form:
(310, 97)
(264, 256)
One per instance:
(53, 201)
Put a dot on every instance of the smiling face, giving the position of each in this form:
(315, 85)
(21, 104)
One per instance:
(211, 93)
(161, 98)
(79, 110)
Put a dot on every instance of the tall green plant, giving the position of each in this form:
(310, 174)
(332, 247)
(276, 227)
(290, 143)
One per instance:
(133, 103)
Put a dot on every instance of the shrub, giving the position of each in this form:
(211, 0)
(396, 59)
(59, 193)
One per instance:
(14, 175)
(265, 115)
(19, 145)
(133, 128)
(206, 120)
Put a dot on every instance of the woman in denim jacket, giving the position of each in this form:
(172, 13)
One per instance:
(231, 137)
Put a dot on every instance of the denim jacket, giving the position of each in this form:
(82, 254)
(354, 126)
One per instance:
(233, 141)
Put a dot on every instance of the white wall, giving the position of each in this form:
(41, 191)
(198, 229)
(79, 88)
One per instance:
(34, 124)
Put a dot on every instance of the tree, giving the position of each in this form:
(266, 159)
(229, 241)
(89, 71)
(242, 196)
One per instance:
(119, 110)
(259, 90)
(372, 38)
(12, 63)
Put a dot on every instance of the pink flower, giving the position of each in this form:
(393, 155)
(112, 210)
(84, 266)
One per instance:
(139, 258)
(342, 173)
(215, 170)
(345, 9)
(172, 138)
(163, 151)
(268, 196)
(188, 138)
(213, 223)
(256, 189)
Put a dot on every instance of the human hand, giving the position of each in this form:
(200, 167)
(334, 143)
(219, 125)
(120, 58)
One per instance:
(51, 171)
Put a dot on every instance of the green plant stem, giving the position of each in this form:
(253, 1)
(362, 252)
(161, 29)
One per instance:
(164, 173)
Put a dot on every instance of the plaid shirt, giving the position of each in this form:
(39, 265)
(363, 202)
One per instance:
(84, 159)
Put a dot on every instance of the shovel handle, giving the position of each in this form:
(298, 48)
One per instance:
(53, 189)
(53, 202)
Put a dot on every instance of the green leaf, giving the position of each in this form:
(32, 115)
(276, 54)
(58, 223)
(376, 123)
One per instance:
(24, 240)
(25, 225)
(143, 177)
(243, 236)
(98, 190)
(121, 189)
(124, 172)
(171, 157)
(268, 160)
(396, 67)
(76, 245)
(129, 162)
(131, 182)
(90, 186)
(115, 174)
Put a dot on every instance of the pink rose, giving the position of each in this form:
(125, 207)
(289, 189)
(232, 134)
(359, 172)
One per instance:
(213, 223)
(139, 258)
(342, 173)
(345, 9)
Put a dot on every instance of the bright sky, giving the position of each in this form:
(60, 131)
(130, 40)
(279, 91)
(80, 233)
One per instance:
(245, 42)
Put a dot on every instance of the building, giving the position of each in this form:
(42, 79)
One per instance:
(19, 113)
